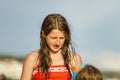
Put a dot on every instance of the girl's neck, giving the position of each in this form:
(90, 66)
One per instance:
(55, 53)
(57, 59)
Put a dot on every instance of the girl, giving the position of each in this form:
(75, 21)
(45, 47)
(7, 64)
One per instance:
(56, 59)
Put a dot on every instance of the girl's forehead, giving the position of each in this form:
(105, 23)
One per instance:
(56, 32)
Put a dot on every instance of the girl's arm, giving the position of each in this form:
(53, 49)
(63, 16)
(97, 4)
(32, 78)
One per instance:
(28, 67)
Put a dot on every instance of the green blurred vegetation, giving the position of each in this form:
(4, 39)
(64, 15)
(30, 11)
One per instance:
(111, 75)
(12, 79)
(21, 59)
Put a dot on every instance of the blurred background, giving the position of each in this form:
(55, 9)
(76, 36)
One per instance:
(95, 26)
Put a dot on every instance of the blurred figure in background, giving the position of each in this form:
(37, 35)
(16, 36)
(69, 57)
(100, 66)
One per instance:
(3, 77)
(88, 72)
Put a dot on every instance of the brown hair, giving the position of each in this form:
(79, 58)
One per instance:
(54, 21)
(89, 72)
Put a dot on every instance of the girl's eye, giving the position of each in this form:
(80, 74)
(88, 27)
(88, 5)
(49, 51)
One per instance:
(57, 37)
(53, 37)
(61, 37)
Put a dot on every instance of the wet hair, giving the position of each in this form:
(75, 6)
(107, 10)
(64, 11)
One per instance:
(51, 22)
(89, 72)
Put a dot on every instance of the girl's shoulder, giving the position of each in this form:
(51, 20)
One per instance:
(75, 61)
(76, 57)
(32, 58)
(32, 55)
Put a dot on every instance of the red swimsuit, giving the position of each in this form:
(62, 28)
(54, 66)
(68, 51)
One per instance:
(56, 73)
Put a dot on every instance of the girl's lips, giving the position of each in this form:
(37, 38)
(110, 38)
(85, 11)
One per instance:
(56, 46)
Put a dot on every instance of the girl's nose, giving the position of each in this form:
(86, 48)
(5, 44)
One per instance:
(57, 41)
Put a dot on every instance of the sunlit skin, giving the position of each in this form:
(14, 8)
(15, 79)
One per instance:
(55, 40)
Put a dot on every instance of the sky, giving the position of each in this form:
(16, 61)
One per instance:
(95, 27)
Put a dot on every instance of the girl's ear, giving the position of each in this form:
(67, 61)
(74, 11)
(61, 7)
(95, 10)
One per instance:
(43, 35)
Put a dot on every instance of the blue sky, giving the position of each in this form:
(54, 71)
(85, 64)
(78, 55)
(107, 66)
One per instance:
(95, 26)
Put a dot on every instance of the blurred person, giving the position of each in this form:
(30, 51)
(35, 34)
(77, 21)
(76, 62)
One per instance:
(3, 77)
(87, 72)
(56, 59)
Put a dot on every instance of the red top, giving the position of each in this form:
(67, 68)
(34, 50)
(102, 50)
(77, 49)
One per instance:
(55, 72)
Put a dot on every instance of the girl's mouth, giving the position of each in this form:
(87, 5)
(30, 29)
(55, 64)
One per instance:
(56, 46)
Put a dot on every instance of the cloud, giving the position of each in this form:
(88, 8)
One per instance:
(110, 60)
(106, 60)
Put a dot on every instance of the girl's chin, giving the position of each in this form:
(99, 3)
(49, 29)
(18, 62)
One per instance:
(55, 50)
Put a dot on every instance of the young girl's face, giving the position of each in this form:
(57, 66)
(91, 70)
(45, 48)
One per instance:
(55, 40)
